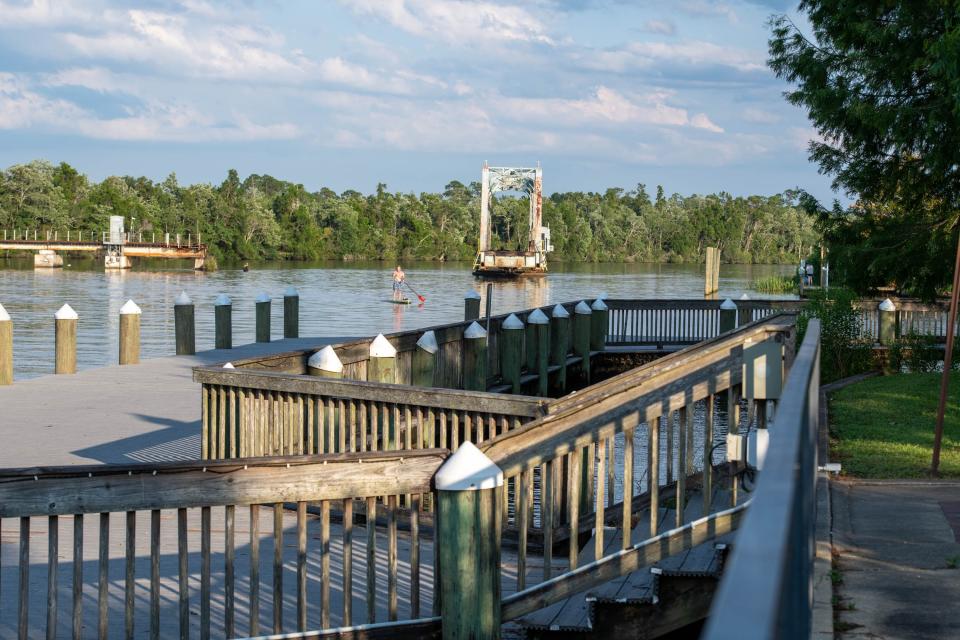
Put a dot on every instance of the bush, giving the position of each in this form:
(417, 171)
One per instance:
(775, 284)
(843, 352)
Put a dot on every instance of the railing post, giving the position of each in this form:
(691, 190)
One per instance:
(581, 336)
(382, 367)
(291, 313)
(728, 316)
(263, 317)
(541, 346)
(423, 362)
(65, 332)
(6, 347)
(223, 322)
(475, 358)
(129, 333)
(469, 523)
(560, 344)
(511, 351)
(184, 330)
(471, 306)
(325, 364)
(887, 323)
(744, 311)
(599, 322)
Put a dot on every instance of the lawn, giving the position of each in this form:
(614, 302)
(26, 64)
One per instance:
(883, 427)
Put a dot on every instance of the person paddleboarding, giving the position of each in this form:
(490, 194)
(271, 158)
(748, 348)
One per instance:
(398, 279)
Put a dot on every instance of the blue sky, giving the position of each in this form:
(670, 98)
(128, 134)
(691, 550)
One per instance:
(412, 93)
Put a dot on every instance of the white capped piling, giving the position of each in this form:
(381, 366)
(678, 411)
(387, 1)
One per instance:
(598, 325)
(511, 351)
(223, 322)
(560, 344)
(469, 523)
(471, 305)
(291, 313)
(183, 321)
(423, 362)
(887, 322)
(130, 333)
(65, 330)
(325, 364)
(728, 316)
(263, 317)
(744, 311)
(6, 347)
(475, 358)
(382, 367)
(582, 315)
(229, 365)
(540, 323)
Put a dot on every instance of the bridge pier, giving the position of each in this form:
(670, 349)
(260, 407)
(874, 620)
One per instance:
(114, 258)
(47, 259)
(200, 264)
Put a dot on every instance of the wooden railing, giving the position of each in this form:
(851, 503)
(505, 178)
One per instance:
(208, 550)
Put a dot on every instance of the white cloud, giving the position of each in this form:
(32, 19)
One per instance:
(42, 13)
(662, 27)
(650, 55)
(701, 121)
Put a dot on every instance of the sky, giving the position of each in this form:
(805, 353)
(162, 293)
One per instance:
(411, 93)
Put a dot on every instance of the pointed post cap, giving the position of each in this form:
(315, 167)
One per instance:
(222, 300)
(472, 295)
(4, 316)
(381, 348)
(129, 308)
(599, 305)
(469, 469)
(66, 312)
(728, 305)
(512, 322)
(474, 331)
(537, 317)
(326, 360)
(428, 342)
(582, 308)
(291, 292)
(182, 299)
(263, 297)
(229, 365)
(560, 312)
(744, 297)
(887, 305)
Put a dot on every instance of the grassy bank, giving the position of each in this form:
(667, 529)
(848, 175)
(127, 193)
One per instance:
(883, 427)
(774, 284)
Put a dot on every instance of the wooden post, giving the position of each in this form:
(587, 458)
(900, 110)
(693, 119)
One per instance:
(382, 367)
(581, 336)
(712, 274)
(744, 312)
(471, 305)
(129, 333)
(184, 330)
(598, 325)
(263, 317)
(325, 364)
(887, 323)
(6, 347)
(560, 344)
(423, 362)
(728, 316)
(541, 344)
(511, 351)
(65, 320)
(475, 358)
(223, 322)
(291, 313)
(469, 522)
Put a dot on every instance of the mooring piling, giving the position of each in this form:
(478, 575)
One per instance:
(184, 329)
(475, 358)
(223, 322)
(540, 344)
(130, 333)
(423, 361)
(471, 305)
(887, 322)
(325, 364)
(560, 344)
(65, 337)
(382, 367)
(744, 313)
(728, 315)
(291, 313)
(6, 347)
(263, 317)
(598, 325)
(582, 317)
(511, 351)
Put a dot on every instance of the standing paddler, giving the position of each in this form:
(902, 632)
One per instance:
(398, 279)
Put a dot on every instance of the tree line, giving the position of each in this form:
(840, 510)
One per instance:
(263, 217)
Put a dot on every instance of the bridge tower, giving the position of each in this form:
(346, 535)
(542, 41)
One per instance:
(113, 256)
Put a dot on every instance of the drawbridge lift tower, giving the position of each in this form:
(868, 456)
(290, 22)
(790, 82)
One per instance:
(504, 263)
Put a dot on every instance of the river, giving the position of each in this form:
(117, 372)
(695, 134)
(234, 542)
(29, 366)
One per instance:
(336, 298)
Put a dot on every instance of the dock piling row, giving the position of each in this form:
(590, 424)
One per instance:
(65, 338)
(263, 317)
(223, 322)
(291, 313)
(184, 329)
(129, 333)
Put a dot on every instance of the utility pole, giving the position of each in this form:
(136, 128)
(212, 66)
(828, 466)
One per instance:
(947, 363)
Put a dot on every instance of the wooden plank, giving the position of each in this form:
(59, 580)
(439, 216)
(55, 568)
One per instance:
(391, 558)
(599, 508)
(372, 560)
(205, 573)
(183, 591)
(348, 562)
(154, 574)
(301, 566)
(278, 567)
(23, 622)
(78, 576)
(254, 569)
(53, 552)
(325, 564)
(627, 500)
(523, 516)
(103, 576)
(415, 555)
(229, 577)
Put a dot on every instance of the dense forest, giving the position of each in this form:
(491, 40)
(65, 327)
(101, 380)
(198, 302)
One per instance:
(262, 217)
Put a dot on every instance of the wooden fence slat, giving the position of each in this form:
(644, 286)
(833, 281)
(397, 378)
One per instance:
(205, 573)
(229, 577)
(347, 562)
(78, 576)
(53, 553)
(278, 567)
(325, 564)
(103, 576)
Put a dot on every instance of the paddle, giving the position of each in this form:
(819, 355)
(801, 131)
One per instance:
(419, 297)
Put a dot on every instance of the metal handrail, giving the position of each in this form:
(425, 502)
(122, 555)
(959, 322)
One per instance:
(766, 592)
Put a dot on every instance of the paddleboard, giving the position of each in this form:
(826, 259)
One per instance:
(403, 301)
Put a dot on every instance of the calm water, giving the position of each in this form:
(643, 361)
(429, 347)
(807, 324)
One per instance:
(336, 299)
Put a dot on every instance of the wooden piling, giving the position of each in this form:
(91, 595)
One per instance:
(382, 367)
(129, 333)
(423, 362)
(291, 313)
(728, 316)
(223, 322)
(184, 329)
(469, 523)
(582, 315)
(743, 312)
(325, 364)
(540, 323)
(475, 358)
(560, 345)
(471, 305)
(511, 351)
(6, 347)
(65, 320)
(887, 322)
(263, 317)
(598, 325)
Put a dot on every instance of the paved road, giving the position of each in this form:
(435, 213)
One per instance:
(899, 559)
(138, 413)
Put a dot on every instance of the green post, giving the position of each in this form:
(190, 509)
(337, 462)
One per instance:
(582, 315)
(511, 351)
(471, 306)
(382, 367)
(728, 316)
(475, 358)
(560, 345)
(468, 522)
(6, 347)
(887, 323)
(541, 345)
(423, 362)
(263, 317)
(183, 327)
(598, 325)
(291, 313)
(223, 322)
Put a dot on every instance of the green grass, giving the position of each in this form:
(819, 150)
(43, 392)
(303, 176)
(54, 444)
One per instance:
(774, 284)
(883, 427)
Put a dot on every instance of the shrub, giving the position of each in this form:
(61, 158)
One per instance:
(843, 352)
